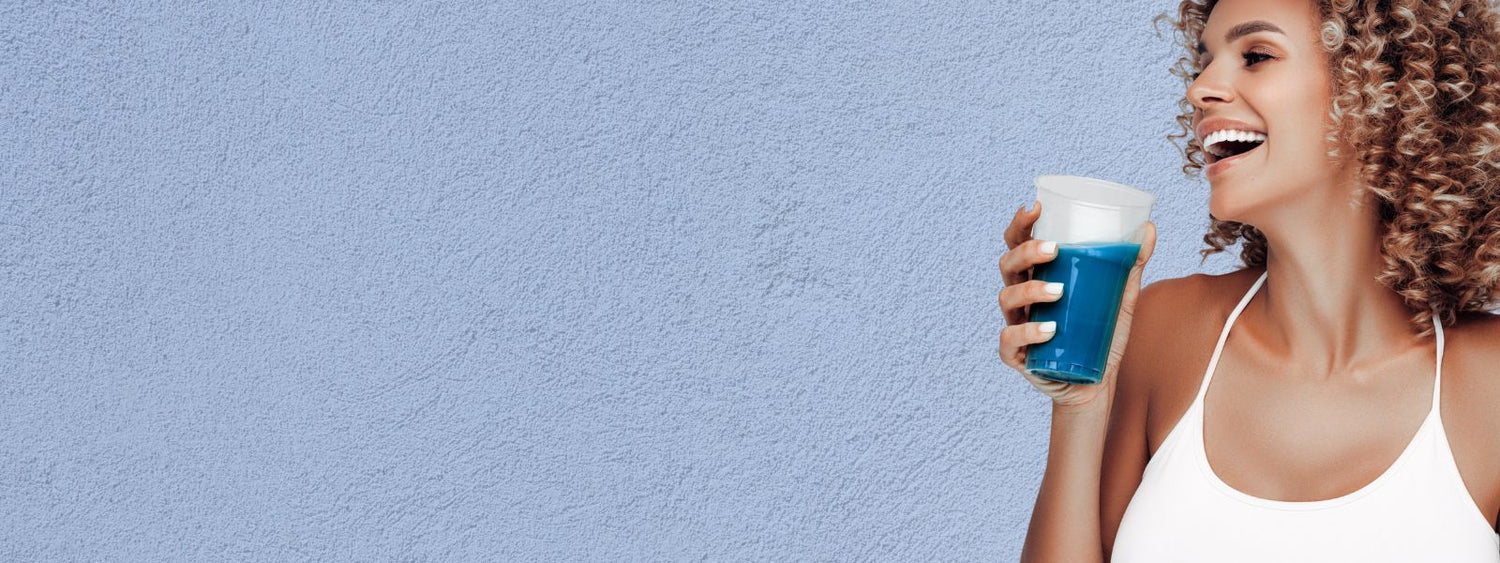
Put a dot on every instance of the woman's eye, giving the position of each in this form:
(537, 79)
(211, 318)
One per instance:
(1251, 58)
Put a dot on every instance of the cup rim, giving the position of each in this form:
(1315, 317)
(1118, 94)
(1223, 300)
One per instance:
(1145, 199)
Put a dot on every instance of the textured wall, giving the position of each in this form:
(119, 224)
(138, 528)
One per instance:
(613, 281)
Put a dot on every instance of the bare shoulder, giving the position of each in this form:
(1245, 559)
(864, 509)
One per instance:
(1165, 312)
(1174, 309)
(1178, 324)
(1193, 294)
(1470, 395)
(1472, 352)
(1471, 370)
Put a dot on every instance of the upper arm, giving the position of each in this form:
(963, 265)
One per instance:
(1125, 446)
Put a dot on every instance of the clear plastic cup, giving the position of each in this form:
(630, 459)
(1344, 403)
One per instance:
(1099, 227)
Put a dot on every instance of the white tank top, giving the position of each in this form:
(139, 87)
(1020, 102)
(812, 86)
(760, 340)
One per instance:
(1418, 510)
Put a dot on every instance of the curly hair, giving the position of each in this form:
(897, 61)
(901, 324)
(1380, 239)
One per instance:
(1416, 87)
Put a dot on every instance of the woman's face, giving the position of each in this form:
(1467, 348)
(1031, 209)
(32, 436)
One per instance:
(1274, 80)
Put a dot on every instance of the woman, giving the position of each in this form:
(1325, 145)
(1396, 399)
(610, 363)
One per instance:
(1370, 219)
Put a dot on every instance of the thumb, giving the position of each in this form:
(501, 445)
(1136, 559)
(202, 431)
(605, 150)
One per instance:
(1147, 246)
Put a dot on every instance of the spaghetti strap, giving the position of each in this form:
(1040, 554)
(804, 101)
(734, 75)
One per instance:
(1224, 335)
(1437, 383)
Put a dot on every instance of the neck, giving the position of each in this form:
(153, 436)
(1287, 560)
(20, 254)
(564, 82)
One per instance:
(1320, 299)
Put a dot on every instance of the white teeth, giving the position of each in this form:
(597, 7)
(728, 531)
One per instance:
(1213, 139)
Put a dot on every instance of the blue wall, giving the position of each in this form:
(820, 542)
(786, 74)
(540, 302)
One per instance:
(559, 281)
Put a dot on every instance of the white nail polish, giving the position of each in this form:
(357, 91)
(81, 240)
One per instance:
(1048, 326)
(1054, 288)
(1049, 247)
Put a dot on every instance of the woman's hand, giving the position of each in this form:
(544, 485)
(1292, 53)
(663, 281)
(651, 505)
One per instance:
(1020, 291)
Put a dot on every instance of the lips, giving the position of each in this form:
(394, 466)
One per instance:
(1216, 165)
(1222, 134)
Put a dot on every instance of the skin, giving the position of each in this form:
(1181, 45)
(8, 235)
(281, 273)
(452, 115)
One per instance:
(1321, 384)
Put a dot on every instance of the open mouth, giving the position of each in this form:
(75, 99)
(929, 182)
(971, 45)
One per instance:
(1227, 145)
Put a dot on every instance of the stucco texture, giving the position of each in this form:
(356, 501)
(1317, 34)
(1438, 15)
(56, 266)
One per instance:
(542, 281)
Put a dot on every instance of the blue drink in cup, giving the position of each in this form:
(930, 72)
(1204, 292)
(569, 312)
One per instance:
(1093, 277)
(1099, 227)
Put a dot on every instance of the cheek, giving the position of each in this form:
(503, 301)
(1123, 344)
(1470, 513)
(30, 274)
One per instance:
(1295, 105)
(1299, 119)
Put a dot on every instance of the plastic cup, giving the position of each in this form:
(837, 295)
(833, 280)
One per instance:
(1099, 227)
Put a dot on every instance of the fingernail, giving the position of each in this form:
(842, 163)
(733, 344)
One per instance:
(1054, 288)
(1034, 204)
(1049, 247)
(1048, 326)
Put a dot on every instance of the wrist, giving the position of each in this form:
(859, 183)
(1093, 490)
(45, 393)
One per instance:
(1097, 408)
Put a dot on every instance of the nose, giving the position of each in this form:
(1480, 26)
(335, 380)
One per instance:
(1207, 88)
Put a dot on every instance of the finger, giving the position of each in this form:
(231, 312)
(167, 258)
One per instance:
(1019, 230)
(1013, 316)
(1013, 264)
(1014, 339)
(1011, 354)
(1016, 297)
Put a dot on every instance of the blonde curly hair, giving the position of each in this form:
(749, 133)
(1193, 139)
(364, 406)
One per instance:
(1416, 87)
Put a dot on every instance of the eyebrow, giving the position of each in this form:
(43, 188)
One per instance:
(1244, 29)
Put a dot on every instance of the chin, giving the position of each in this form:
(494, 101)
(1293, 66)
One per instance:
(1220, 209)
(1239, 201)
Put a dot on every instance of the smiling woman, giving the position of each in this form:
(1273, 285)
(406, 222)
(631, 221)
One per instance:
(1334, 399)
(1415, 95)
(1409, 95)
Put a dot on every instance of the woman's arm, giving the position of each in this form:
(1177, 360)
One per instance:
(1097, 456)
(1065, 522)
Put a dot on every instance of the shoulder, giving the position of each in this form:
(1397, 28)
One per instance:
(1470, 395)
(1471, 384)
(1175, 290)
(1175, 323)
(1471, 362)
(1169, 318)
(1171, 305)
(1471, 348)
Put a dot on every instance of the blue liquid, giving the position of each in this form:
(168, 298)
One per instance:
(1093, 277)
